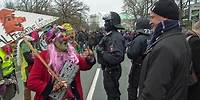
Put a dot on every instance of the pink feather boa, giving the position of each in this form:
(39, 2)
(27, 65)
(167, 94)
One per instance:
(57, 59)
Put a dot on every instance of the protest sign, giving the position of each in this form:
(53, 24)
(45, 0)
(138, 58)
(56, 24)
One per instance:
(15, 24)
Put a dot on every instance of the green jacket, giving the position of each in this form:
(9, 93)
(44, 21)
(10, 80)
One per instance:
(7, 65)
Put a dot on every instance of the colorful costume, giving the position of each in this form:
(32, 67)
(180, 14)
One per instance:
(25, 60)
(40, 80)
(8, 81)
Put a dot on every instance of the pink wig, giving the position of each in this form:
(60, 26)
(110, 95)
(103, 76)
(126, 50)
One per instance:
(57, 59)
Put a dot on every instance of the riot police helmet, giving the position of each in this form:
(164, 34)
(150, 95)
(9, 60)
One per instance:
(112, 21)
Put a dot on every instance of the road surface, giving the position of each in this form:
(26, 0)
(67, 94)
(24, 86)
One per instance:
(92, 83)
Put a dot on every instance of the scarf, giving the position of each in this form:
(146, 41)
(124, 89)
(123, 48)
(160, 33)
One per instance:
(162, 27)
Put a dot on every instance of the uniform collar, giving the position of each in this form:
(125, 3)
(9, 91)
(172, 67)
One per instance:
(107, 33)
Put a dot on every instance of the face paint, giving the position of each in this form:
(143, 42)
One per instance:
(61, 45)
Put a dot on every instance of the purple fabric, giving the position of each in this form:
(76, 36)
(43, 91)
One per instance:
(2, 89)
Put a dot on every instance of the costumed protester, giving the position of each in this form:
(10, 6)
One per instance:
(25, 59)
(68, 31)
(8, 81)
(58, 52)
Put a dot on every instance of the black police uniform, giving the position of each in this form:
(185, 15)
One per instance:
(110, 59)
(110, 53)
(135, 52)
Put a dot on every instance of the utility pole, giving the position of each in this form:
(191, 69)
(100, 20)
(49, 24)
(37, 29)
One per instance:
(189, 12)
(181, 10)
(147, 5)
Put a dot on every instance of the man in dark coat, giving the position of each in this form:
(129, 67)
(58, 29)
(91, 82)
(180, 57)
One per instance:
(135, 52)
(165, 69)
(110, 53)
(194, 41)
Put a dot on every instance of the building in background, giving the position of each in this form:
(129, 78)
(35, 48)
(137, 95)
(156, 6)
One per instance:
(94, 22)
(127, 20)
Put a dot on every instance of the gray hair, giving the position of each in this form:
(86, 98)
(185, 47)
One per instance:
(196, 25)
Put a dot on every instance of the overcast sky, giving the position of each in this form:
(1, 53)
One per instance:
(1, 3)
(104, 6)
(97, 6)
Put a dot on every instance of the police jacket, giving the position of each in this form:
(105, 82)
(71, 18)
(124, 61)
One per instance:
(113, 45)
(137, 47)
(165, 69)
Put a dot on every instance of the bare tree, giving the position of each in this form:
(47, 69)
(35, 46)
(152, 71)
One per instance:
(72, 11)
(140, 7)
(10, 5)
(185, 7)
(36, 6)
(137, 8)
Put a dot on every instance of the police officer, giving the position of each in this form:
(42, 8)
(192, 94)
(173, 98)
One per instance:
(110, 53)
(135, 52)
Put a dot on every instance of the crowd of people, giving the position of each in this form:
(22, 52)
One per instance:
(56, 46)
(164, 55)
